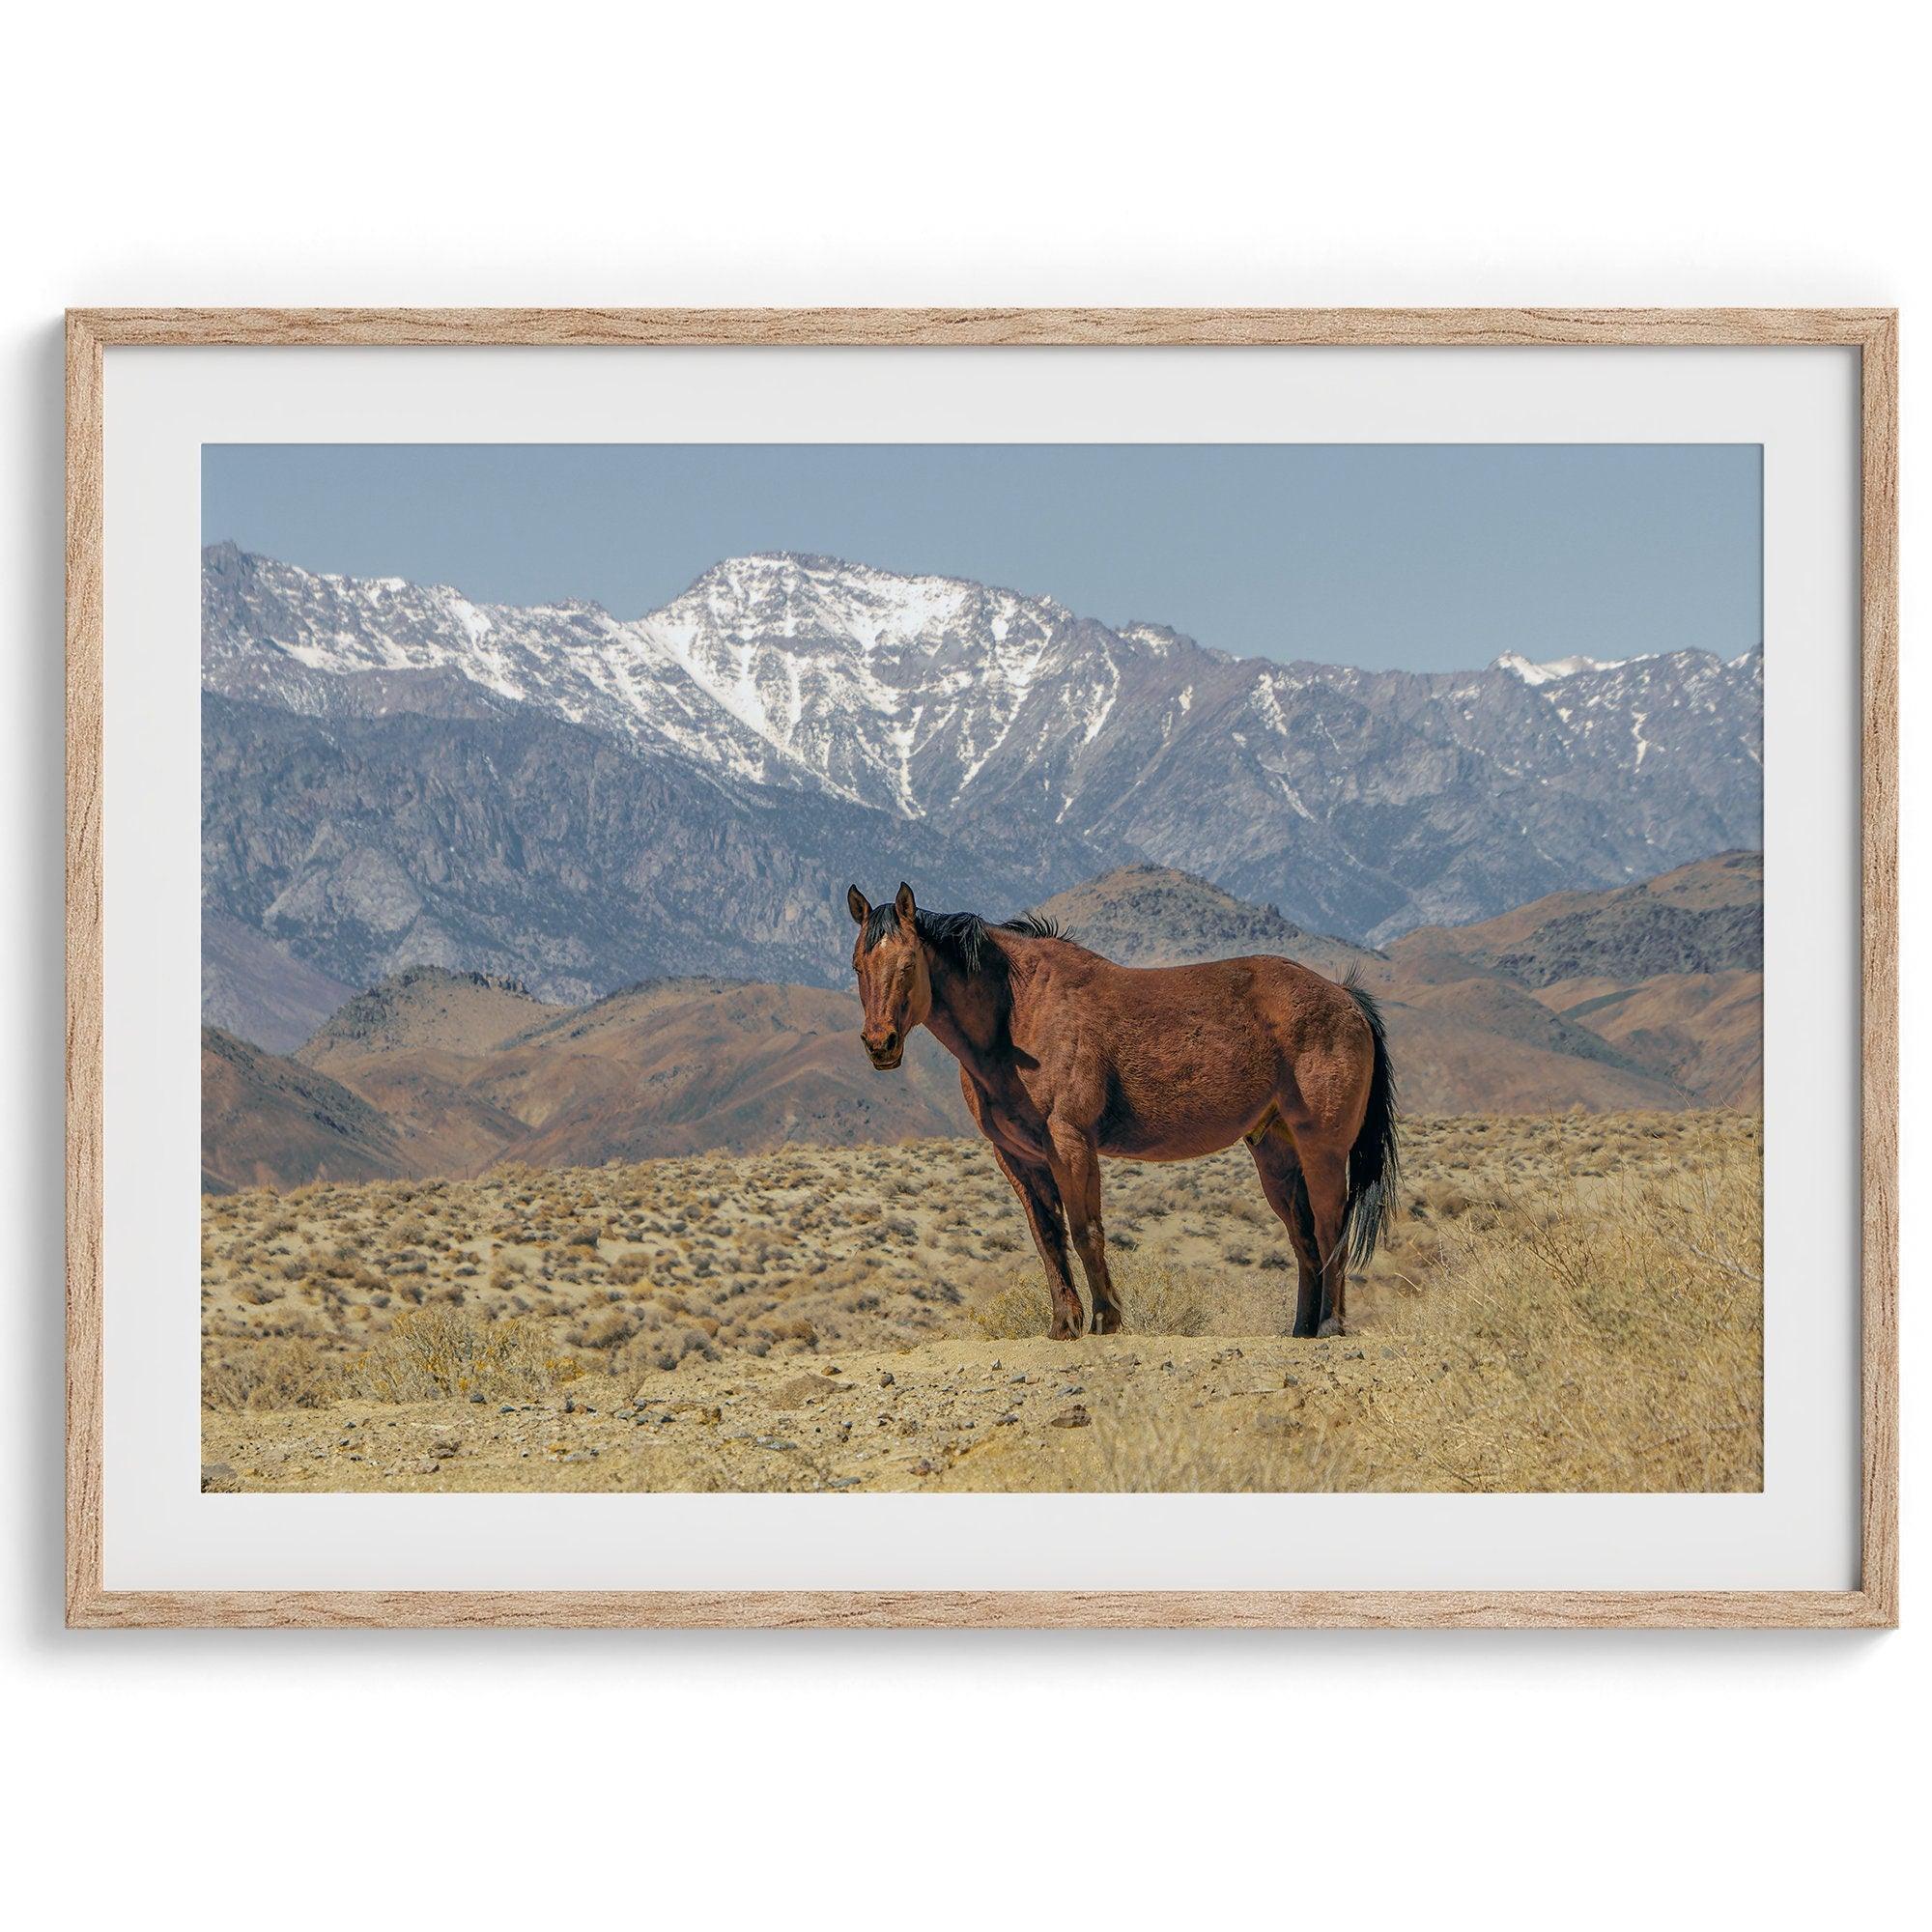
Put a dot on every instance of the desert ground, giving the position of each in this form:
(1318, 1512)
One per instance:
(1569, 1302)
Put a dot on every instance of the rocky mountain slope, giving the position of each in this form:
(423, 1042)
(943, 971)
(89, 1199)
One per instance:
(1701, 918)
(436, 1073)
(1154, 916)
(426, 1006)
(520, 845)
(254, 987)
(394, 773)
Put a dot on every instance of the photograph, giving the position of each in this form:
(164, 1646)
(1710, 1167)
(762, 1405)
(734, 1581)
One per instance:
(997, 888)
(933, 967)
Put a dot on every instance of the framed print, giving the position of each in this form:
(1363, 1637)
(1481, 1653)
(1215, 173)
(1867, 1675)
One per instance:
(1219, 967)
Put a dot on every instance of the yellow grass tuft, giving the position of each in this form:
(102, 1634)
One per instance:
(1155, 1300)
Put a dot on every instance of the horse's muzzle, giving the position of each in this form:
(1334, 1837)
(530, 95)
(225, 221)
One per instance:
(886, 1052)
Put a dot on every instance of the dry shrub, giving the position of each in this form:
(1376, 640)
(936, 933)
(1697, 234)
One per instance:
(659, 1350)
(603, 1328)
(1155, 1300)
(433, 1354)
(1569, 1302)
(277, 1373)
(1013, 1306)
(1249, 1303)
(1601, 1333)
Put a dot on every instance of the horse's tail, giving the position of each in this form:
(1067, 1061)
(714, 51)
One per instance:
(1373, 1162)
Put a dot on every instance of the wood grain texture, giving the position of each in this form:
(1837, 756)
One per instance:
(1879, 966)
(1872, 331)
(83, 1062)
(938, 328)
(984, 1610)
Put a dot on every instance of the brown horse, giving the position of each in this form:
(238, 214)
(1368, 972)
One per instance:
(1065, 1057)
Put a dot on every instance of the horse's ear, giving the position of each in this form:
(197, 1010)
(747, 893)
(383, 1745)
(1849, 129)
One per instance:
(855, 901)
(903, 905)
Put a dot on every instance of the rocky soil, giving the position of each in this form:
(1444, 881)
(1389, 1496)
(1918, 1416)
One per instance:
(1025, 1414)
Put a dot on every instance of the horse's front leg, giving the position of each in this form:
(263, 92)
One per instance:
(1076, 1172)
(1034, 1188)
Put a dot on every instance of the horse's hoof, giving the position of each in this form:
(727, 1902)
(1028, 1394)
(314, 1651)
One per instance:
(1332, 1327)
(1062, 1332)
(1108, 1322)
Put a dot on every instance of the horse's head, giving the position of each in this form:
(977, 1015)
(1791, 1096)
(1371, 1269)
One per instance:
(895, 985)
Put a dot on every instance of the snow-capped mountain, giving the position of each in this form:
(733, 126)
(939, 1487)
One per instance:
(894, 691)
(1011, 743)
(1556, 668)
(273, 633)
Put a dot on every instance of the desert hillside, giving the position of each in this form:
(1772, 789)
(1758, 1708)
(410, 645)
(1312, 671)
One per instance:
(461, 1073)
(264, 1118)
(428, 1008)
(1704, 1029)
(1668, 973)
(455, 1071)
(1155, 915)
(1566, 1303)
(1704, 917)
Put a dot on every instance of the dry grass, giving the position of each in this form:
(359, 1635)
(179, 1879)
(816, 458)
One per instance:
(1612, 1339)
(1604, 1337)
(1155, 1300)
(1567, 1303)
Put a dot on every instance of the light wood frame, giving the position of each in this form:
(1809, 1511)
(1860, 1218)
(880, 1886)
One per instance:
(1873, 332)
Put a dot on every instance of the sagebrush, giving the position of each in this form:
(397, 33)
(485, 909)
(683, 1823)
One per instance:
(1569, 1302)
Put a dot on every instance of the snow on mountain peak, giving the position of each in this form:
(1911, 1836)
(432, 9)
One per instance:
(877, 682)
(935, 696)
(1556, 668)
(785, 594)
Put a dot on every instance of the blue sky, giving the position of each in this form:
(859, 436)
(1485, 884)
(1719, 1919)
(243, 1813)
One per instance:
(1434, 556)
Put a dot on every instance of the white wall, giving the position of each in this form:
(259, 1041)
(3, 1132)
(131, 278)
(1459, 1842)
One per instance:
(1424, 153)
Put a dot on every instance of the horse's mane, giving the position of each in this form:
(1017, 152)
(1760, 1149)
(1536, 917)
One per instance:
(959, 937)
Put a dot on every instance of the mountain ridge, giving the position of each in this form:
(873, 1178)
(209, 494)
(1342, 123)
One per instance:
(395, 773)
(435, 1071)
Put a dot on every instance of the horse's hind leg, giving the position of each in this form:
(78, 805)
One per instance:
(1076, 1171)
(1325, 1172)
(1280, 1171)
(1036, 1189)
